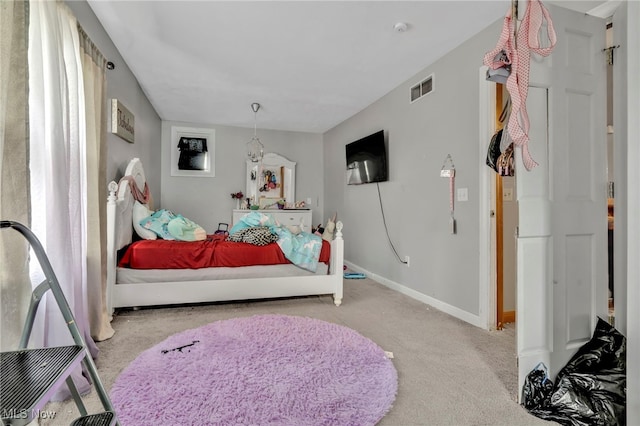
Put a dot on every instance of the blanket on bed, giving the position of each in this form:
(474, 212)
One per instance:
(302, 249)
(215, 251)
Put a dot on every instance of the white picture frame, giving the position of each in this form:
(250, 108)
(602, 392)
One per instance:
(198, 161)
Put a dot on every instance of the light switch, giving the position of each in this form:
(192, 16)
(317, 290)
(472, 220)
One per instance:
(463, 194)
(309, 202)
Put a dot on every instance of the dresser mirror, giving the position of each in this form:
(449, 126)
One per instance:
(271, 180)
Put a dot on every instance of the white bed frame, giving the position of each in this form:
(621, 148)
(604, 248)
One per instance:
(120, 232)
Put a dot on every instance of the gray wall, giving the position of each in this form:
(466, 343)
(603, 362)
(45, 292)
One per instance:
(416, 200)
(123, 85)
(207, 200)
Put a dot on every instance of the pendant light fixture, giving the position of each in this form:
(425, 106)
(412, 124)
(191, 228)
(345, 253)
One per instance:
(255, 148)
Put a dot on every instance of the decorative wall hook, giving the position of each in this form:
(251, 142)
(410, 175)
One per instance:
(448, 168)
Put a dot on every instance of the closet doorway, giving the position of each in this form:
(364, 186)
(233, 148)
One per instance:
(506, 228)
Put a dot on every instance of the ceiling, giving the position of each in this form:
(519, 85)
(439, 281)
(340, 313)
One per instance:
(310, 64)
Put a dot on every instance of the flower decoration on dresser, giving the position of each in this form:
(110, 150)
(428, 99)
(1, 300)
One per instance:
(238, 196)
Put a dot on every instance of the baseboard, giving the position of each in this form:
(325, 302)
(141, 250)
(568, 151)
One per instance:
(509, 317)
(441, 306)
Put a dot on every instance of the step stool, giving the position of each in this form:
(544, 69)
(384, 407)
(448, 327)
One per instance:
(29, 377)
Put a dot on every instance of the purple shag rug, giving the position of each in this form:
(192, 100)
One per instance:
(259, 370)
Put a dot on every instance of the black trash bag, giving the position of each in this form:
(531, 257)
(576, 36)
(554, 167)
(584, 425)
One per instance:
(493, 152)
(537, 388)
(591, 388)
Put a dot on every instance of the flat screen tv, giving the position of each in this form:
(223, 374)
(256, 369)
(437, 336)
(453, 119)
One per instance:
(367, 160)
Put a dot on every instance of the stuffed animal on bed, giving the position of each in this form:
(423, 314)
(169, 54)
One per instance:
(329, 230)
(184, 229)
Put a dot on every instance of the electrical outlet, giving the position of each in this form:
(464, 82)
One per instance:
(406, 261)
(309, 202)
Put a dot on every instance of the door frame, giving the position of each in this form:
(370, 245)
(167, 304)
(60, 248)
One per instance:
(487, 228)
(626, 86)
(632, 266)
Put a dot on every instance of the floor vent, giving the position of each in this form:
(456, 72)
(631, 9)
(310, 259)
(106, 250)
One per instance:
(423, 88)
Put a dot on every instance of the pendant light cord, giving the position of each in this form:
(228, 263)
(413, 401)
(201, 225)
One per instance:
(255, 119)
(255, 148)
(255, 107)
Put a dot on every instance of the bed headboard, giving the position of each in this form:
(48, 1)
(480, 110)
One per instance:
(119, 218)
(120, 205)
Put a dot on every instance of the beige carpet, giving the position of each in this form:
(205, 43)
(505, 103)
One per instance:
(449, 372)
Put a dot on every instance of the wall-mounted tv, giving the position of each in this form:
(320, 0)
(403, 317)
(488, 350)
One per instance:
(367, 160)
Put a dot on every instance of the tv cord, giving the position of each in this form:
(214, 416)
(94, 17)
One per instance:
(384, 221)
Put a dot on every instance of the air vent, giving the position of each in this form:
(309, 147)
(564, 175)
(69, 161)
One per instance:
(422, 88)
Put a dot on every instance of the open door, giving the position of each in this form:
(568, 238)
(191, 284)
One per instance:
(506, 223)
(562, 258)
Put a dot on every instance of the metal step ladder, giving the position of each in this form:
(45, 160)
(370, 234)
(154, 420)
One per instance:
(29, 377)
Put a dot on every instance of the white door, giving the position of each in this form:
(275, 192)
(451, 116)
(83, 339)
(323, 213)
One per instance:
(578, 182)
(562, 258)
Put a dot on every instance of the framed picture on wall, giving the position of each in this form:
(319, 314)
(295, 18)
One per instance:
(192, 152)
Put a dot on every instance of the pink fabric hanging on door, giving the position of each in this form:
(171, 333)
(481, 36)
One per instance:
(518, 53)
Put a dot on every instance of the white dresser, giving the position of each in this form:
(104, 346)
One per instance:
(285, 217)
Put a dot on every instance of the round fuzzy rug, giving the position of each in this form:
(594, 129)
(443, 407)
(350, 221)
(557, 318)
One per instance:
(259, 370)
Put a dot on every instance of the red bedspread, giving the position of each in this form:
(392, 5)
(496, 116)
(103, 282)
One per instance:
(214, 251)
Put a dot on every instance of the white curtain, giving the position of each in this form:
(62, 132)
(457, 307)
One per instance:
(58, 168)
(93, 68)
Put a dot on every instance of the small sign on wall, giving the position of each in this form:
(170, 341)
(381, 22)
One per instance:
(122, 121)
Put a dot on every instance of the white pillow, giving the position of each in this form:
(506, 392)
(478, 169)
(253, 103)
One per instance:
(140, 212)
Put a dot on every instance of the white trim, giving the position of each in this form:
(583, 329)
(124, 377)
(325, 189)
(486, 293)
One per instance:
(487, 283)
(605, 10)
(633, 207)
(441, 306)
